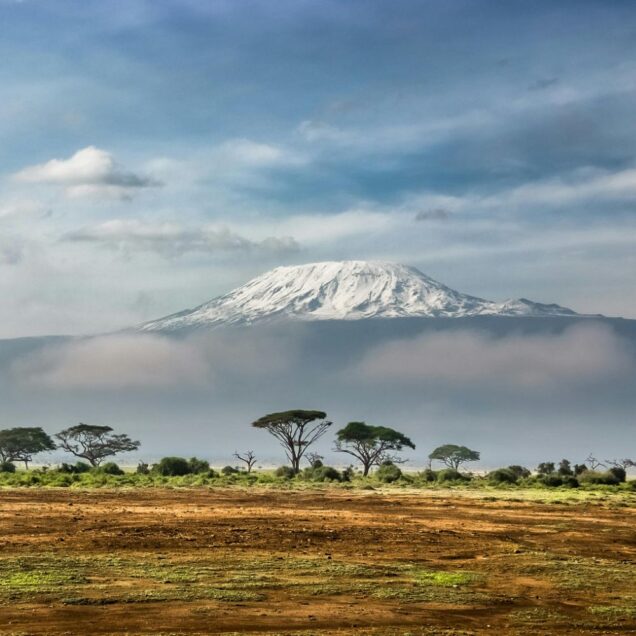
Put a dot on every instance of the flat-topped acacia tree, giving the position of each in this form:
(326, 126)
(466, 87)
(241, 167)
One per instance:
(296, 431)
(371, 445)
(94, 443)
(454, 456)
(20, 444)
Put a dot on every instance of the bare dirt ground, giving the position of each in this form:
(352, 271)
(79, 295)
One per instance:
(259, 561)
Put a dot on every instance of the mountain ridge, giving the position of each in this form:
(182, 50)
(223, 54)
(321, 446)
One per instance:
(344, 290)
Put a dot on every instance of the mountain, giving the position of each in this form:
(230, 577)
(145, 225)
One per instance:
(344, 290)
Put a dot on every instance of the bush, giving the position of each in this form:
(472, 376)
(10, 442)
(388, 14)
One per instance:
(198, 466)
(110, 468)
(427, 475)
(503, 476)
(450, 474)
(142, 468)
(229, 470)
(632, 484)
(348, 473)
(596, 478)
(619, 473)
(571, 482)
(388, 473)
(322, 473)
(286, 472)
(75, 469)
(7, 467)
(172, 467)
(552, 480)
(520, 471)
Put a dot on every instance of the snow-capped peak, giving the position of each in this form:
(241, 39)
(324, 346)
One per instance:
(344, 290)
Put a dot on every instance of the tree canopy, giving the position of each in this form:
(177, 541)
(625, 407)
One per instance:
(296, 430)
(94, 443)
(453, 456)
(20, 444)
(371, 445)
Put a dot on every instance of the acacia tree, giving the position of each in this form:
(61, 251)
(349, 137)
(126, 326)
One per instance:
(20, 444)
(296, 431)
(248, 458)
(453, 456)
(371, 445)
(94, 443)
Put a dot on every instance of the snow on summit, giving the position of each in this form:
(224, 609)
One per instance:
(343, 290)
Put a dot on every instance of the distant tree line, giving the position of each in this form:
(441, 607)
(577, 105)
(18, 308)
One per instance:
(297, 431)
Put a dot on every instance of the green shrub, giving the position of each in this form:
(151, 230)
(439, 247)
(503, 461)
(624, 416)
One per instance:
(142, 468)
(388, 472)
(323, 473)
(571, 482)
(597, 478)
(198, 466)
(520, 471)
(551, 480)
(286, 472)
(450, 474)
(172, 467)
(7, 467)
(502, 476)
(110, 468)
(632, 484)
(619, 473)
(427, 475)
(75, 469)
(229, 470)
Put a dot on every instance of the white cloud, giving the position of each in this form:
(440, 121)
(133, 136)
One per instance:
(583, 353)
(115, 362)
(171, 239)
(90, 172)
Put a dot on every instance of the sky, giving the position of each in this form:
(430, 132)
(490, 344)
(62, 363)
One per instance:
(158, 153)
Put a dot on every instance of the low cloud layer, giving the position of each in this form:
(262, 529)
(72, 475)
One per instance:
(90, 172)
(581, 355)
(171, 239)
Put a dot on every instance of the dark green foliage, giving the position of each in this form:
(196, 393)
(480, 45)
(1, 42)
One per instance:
(597, 478)
(229, 470)
(348, 473)
(454, 456)
(198, 466)
(286, 472)
(371, 445)
(632, 484)
(503, 476)
(172, 467)
(142, 468)
(551, 480)
(296, 430)
(20, 444)
(520, 471)
(388, 472)
(570, 481)
(619, 472)
(7, 467)
(74, 469)
(545, 468)
(579, 468)
(94, 443)
(450, 474)
(565, 468)
(110, 468)
(322, 473)
(428, 475)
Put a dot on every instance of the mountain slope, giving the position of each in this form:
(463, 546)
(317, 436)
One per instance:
(344, 290)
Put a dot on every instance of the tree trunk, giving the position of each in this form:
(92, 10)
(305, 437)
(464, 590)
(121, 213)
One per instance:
(365, 472)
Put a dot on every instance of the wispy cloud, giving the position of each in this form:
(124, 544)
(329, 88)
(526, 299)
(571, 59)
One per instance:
(90, 172)
(171, 239)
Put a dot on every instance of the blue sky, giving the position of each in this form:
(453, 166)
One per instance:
(157, 153)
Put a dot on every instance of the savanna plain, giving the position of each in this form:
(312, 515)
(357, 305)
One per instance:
(316, 560)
